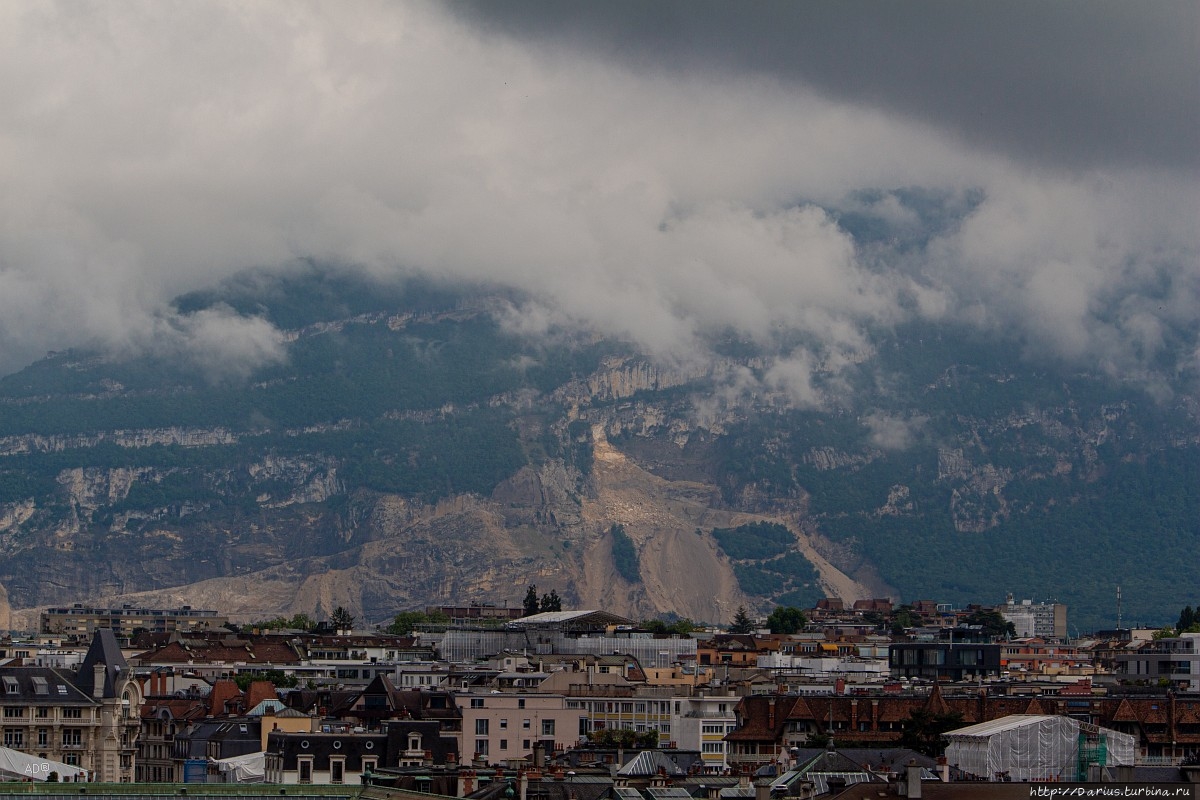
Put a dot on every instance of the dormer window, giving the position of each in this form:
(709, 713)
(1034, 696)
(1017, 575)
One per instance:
(414, 741)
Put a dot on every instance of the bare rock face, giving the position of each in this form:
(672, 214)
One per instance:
(5, 611)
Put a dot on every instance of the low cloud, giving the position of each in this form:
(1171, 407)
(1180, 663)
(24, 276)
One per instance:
(155, 149)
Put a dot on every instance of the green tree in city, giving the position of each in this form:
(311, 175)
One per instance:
(406, 622)
(786, 619)
(923, 730)
(342, 619)
(993, 623)
(550, 602)
(741, 622)
(531, 605)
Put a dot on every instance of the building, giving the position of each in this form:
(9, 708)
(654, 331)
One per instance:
(87, 718)
(943, 661)
(702, 723)
(127, 621)
(344, 756)
(1175, 659)
(1043, 620)
(499, 726)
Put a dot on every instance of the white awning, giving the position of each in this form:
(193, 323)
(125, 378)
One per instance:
(15, 765)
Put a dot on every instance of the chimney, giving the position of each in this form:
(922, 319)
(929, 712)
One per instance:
(914, 779)
(523, 784)
(98, 672)
(762, 789)
(944, 769)
(466, 782)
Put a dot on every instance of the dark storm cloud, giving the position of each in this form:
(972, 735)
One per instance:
(1077, 84)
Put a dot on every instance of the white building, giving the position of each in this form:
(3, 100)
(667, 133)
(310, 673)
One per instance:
(701, 723)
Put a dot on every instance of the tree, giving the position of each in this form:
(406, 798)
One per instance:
(531, 605)
(922, 731)
(406, 622)
(1189, 621)
(550, 602)
(342, 619)
(786, 619)
(741, 622)
(993, 623)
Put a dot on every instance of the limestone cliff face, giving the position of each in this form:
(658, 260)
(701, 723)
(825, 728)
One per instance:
(184, 437)
(5, 611)
(543, 526)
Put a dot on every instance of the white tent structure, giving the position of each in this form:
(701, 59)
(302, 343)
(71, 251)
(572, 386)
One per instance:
(18, 766)
(1036, 747)
(250, 768)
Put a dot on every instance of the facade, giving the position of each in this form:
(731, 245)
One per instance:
(1043, 620)
(1175, 659)
(701, 724)
(943, 661)
(86, 719)
(344, 757)
(83, 621)
(501, 726)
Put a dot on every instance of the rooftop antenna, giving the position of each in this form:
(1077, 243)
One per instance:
(1118, 609)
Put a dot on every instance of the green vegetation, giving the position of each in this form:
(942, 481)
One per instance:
(279, 679)
(923, 731)
(680, 627)
(786, 619)
(406, 622)
(623, 737)
(299, 622)
(741, 622)
(754, 540)
(625, 557)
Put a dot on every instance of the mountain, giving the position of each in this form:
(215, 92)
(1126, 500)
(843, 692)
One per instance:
(415, 447)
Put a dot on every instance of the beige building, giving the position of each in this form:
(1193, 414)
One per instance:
(87, 718)
(83, 621)
(501, 726)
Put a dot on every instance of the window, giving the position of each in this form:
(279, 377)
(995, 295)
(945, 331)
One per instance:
(305, 768)
(71, 759)
(503, 724)
(525, 724)
(42, 712)
(481, 746)
(43, 737)
(72, 713)
(14, 737)
(713, 747)
(368, 764)
(504, 744)
(414, 741)
(72, 737)
(520, 702)
(481, 727)
(547, 727)
(525, 744)
(476, 702)
(14, 712)
(337, 770)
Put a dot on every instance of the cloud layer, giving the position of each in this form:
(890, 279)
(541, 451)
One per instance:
(150, 149)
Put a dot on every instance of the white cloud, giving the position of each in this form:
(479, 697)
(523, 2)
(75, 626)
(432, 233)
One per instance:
(149, 149)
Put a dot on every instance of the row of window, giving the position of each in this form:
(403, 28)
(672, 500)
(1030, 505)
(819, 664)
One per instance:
(43, 712)
(482, 725)
(481, 745)
(478, 702)
(15, 737)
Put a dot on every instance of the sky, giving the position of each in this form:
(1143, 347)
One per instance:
(654, 171)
